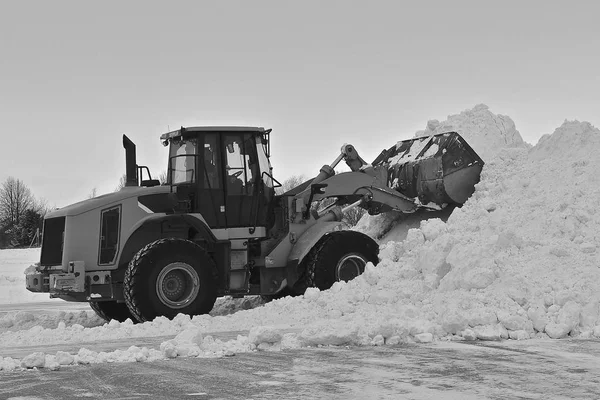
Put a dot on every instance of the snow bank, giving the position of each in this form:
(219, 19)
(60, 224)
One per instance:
(519, 260)
(16, 321)
(485, 131)
(23, 320)
(12, 280)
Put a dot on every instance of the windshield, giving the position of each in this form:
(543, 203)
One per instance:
(182, 161)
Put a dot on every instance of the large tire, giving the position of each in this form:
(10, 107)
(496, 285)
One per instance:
(108, 310)
(338, 256)
(168, 277)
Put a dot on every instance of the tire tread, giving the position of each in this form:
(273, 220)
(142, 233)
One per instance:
(134, 279)
(325, 249)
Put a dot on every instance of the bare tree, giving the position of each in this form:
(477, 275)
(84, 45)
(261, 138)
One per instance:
(162, 177)
(122, 183)
(41, 206)
(290, 183)
(92, 194)
(15, 199)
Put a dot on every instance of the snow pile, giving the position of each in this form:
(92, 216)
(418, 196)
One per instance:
(394, 226)
(51, 319)
(485, 131)
(12, 280)
(229, 305)
(519, 260)
(24, 320)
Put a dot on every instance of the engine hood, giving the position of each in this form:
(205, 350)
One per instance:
(107, 199)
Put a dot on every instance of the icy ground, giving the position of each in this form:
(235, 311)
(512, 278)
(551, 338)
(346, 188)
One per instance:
(519, 260)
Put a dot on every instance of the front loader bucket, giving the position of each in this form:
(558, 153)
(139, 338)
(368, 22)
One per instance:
(440, 169)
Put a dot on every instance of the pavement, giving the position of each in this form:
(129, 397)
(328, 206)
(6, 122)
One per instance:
(532, 369)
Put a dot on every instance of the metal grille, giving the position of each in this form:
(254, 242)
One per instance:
(109, 235)
(52, 241)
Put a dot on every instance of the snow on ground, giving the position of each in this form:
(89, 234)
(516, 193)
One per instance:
(12, 281)
(519, 260)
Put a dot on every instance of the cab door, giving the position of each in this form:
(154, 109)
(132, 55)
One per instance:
(182, 172)
(211, 199)
(242, 179)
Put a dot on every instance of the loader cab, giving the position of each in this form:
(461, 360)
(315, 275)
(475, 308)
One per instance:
(223, 173)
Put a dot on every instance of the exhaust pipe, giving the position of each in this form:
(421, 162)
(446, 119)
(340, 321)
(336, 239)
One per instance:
(130, 162)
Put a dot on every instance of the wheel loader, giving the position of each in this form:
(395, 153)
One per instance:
(218, 228)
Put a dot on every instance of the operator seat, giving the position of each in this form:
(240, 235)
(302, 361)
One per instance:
(235, 186)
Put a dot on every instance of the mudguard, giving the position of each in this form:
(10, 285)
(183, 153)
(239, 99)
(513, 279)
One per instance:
(309, 238)
(159, 225)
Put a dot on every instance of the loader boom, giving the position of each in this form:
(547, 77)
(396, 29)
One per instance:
(429, 172)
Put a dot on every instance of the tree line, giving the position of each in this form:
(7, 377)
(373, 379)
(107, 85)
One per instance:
(21, 215)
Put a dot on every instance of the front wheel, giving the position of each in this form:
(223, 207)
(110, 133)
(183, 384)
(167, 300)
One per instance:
(338, 256)
(108, 310)
(168, 277)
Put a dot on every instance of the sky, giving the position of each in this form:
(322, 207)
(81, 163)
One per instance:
(75, 76)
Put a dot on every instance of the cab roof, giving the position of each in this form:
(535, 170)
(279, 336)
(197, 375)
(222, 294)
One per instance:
(178, 132)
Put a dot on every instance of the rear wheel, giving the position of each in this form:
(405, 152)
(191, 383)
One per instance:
(109, 310)
(338, 256)
(168, 277)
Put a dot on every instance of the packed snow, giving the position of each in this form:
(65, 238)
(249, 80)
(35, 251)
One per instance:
(519, 260)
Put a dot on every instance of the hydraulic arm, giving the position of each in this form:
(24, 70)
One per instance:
(429, 172)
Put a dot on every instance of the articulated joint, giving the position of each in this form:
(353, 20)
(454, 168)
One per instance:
(353, 160)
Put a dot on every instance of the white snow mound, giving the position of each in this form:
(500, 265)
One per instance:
(485, 131)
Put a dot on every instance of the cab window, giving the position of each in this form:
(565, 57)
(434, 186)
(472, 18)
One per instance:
(241, 164)
(211, 161)
(182, 161)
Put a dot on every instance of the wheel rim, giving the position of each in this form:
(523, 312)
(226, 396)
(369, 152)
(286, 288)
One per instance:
(177, 285)
(349, 267)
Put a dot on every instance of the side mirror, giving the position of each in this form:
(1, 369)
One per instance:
(230, 148)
